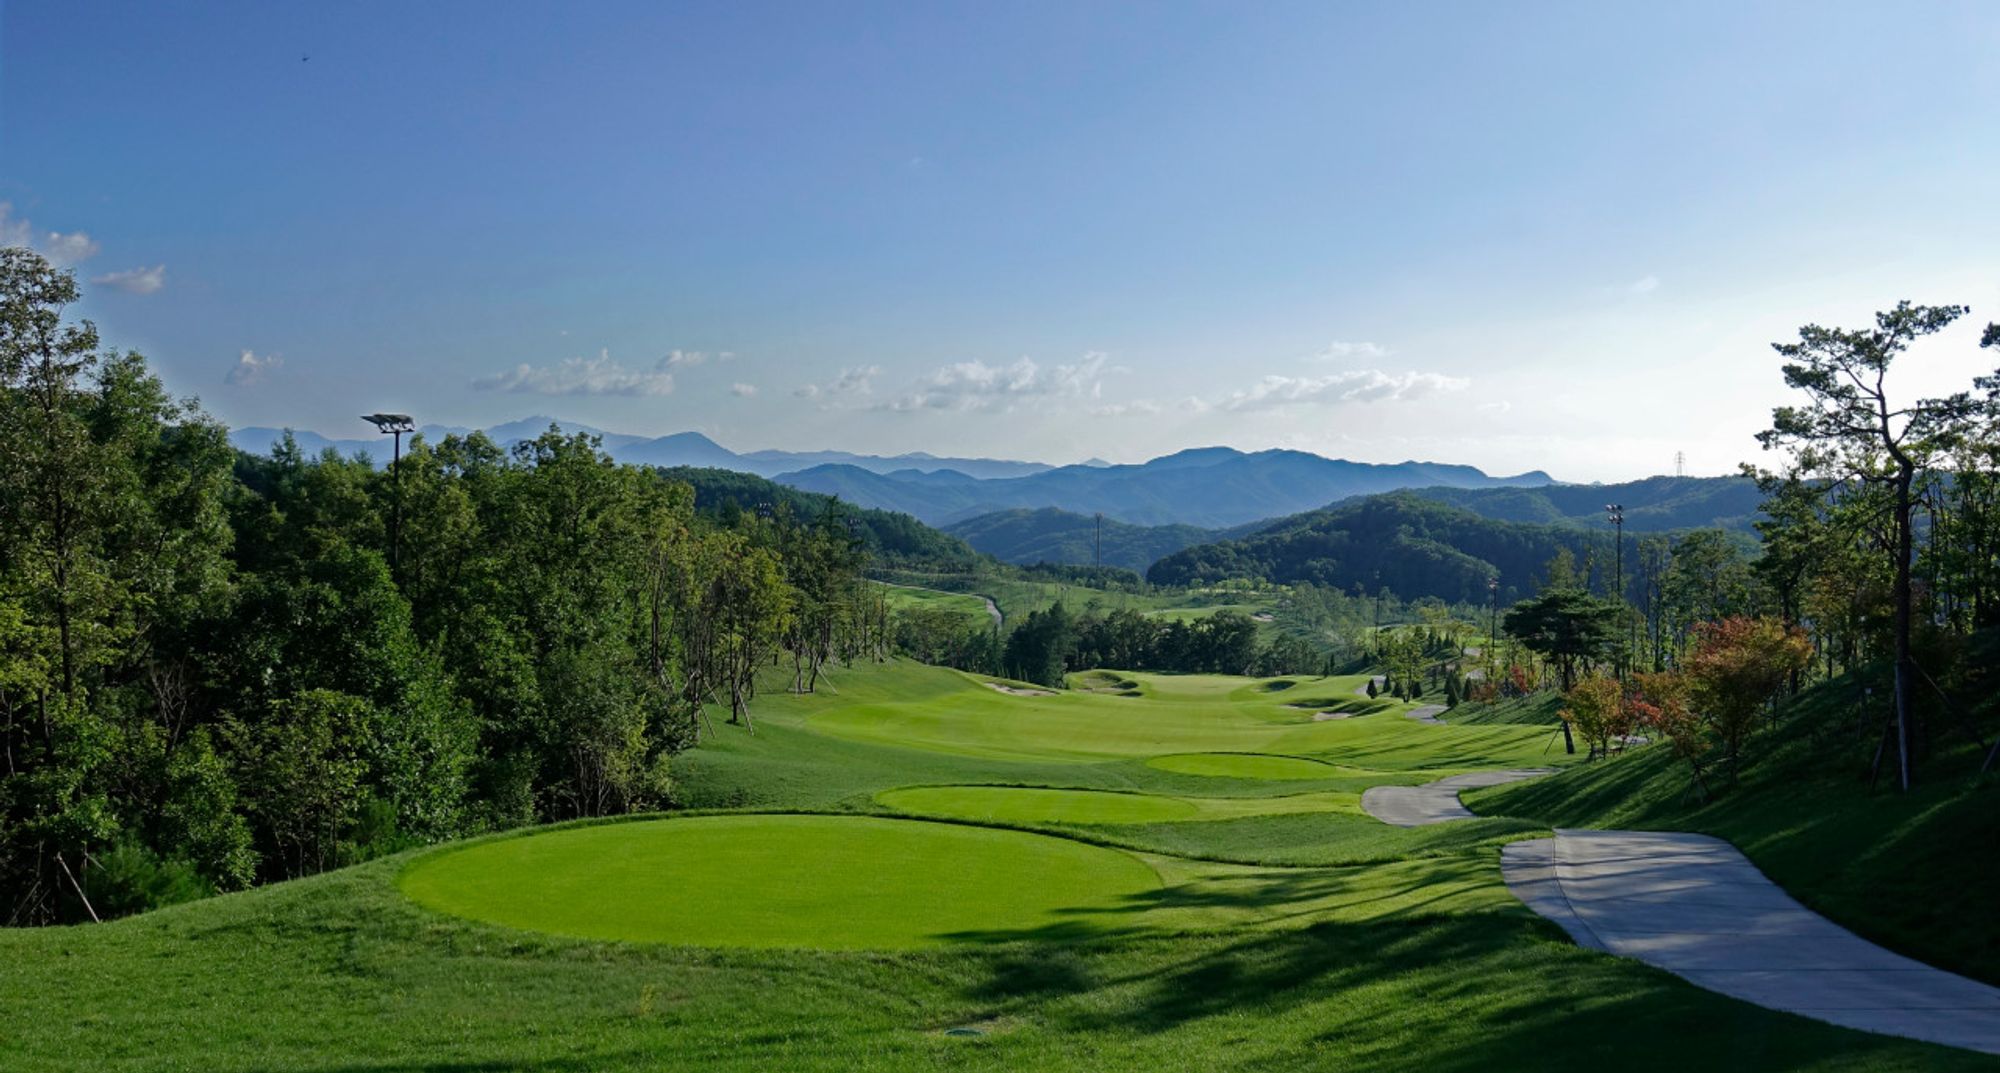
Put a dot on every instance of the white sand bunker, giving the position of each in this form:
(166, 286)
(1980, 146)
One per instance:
(1017, 691)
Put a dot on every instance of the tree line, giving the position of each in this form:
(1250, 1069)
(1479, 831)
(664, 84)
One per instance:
(218, 669)
(1879, 559)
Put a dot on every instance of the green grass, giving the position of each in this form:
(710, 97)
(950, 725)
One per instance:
(1264, 926)
(826, 882)
(1246, 766)
(1042, 805)
(1015, 804)
(1185, 714)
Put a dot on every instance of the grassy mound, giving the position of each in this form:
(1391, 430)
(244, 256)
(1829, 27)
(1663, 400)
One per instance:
(823, 882)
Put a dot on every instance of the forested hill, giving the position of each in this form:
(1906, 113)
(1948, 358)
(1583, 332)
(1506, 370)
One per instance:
(1656, 504)
(1401, 541)
(892, 538)
(1050, 535)
(1207, 486)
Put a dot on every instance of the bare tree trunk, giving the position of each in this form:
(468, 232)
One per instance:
(1905, 680)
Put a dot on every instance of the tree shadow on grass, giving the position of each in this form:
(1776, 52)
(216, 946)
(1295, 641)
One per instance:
(1461, 993)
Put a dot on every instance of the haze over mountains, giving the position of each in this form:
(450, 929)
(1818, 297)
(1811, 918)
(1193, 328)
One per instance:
(1211, 487)
(678, 449)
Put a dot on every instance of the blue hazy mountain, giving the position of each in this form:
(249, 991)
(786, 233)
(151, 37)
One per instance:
(1210, 487)
(678, 449)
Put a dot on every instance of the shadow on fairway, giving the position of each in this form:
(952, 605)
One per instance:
(1461, 993)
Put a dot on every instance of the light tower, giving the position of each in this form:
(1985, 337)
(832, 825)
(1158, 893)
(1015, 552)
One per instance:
(394, 425)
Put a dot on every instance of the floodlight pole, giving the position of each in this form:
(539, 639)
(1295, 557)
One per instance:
(393, 426)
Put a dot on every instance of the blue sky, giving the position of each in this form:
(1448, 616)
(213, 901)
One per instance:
(1519, 236)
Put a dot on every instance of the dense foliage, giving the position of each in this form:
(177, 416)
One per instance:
(890, 538)
(217, 669)
(1400, 541)
(1059, 536)
(1050, 643)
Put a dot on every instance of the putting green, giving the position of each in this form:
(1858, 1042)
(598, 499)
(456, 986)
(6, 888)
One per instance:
(1245, 766)
(1017, 804)
(831, 882)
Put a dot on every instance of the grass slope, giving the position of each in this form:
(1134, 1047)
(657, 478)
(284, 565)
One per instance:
(1919, 873)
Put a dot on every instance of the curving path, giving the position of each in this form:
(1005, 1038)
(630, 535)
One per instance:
(1696, 907)
(1435, 802)
(1427, 713)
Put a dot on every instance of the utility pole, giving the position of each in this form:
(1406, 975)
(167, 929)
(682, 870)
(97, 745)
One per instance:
(394, 425)
(1493, 624)
(1616, 513)
(1378, 615)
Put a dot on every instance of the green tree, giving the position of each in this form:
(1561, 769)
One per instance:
(1850, 430)
(1568, 627)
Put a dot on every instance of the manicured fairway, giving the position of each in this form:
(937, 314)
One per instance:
(826, 882)
(1031, 804)
(1176, 714)
(1246, 766)
(1015, 804)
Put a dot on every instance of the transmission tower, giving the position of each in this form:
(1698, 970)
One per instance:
(1680, 463)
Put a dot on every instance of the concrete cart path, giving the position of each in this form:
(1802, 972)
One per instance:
(1434, 802)
(1426, 714)
(1696, 907)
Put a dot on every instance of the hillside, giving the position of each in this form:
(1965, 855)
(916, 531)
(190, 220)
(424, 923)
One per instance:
(1409, 544)
(1655, 504)
(1211, 487)
(892, 539)
(1050, 535)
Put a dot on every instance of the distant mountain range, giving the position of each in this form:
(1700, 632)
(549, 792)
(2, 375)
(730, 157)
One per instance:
(679, 449)
(1209, 487)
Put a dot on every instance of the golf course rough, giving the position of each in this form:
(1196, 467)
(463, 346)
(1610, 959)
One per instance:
(825, 882)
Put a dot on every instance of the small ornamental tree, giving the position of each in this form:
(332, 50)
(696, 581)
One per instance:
(1595, 707)
(1660, 704)
(1372, 691)
(1736, 667)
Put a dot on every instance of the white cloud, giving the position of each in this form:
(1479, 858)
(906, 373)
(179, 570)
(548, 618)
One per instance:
(1500, 406)
(582, 376)
(134, 280)
(743, 391)
(250, 368)
(858, 380)
(1358, 385)
(62, 249)
(688, 359)
(1135, 408)
(1342, 351)
(1645, 285)
(975, 385)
